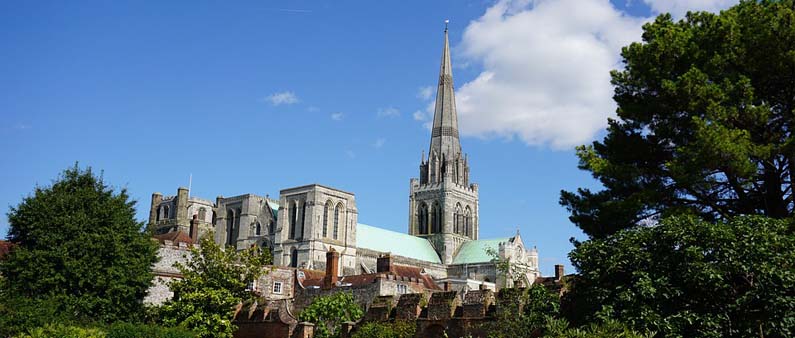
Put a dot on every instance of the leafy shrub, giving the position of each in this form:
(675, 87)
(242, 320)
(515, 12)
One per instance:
(129, 330)
(63, 331)
(399, 329)
(329, 312)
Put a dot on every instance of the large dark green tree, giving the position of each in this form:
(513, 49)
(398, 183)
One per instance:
(78, 245)
(705, 120)
(687, 277)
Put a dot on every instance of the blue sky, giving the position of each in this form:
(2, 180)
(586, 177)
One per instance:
(260, 96)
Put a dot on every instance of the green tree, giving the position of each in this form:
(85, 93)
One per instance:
(397, 329)
(538, 305)
(329, 312)
(690, 278)
(704, 123)
(214, 281)
(79, 249)
(560, 328)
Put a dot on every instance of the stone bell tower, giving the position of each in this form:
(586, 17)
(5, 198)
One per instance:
(443, 204)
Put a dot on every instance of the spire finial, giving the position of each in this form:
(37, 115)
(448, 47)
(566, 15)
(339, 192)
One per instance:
(445, 24)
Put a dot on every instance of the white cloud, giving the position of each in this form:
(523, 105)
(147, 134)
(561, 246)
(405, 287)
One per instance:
(312, 109)
(388, 112)
(418, 115)
(425, 93)
(678, 8)
(281, 98)
(338, 116)
(545, 70)
(379, 142)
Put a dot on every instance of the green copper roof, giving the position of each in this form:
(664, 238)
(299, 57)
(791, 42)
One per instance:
(370, 237)
(275, 208)
(475, 251)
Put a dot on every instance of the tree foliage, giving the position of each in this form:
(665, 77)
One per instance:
(540, 316)
(706, 110)
(329, 312)
(214, 282)
(538, 304)
(78, 248)
(691, 278)
(397, 329)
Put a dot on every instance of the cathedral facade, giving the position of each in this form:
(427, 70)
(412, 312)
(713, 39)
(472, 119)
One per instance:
(307, 222)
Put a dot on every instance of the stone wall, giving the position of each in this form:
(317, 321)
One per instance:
(165, 272)
(440, 314)
(363, 295)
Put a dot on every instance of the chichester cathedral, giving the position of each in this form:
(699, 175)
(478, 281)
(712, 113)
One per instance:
(308, 222)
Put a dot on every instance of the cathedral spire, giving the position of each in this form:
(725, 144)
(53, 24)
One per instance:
(444, 134)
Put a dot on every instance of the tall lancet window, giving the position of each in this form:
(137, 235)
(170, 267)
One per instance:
(468, 222)
(326, 210)
(458, 220)
(230, 226)
(303, 220)
(337, 211)
(436, 218)
(293, 218)
(294, 258)
(422, 219)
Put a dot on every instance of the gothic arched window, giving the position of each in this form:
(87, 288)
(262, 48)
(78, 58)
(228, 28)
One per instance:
(202, 214)
(294, 258)
(326, 209)
(337, 211)
(165, 212)
(230, 226)
(258, 229)
(293, 219)
(468, 222)
(436, 218)
(303, 220)
(458, 220)
(422, 219)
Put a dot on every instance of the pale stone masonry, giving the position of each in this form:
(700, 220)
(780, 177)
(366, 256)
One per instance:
(306, 222)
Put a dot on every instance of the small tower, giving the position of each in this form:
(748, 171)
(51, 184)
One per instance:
(443, 204)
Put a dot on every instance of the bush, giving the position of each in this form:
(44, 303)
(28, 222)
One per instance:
(63, 331)
(399, 329)
(18, 314)
(129, 330)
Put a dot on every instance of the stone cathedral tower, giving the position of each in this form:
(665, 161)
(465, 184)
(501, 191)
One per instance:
(443, 204)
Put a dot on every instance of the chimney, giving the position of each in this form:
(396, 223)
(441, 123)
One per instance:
(558, 271)
(194, 229)
(332, 266)
(384, 263)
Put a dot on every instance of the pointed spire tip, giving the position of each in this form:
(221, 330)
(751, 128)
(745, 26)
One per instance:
(446, 22)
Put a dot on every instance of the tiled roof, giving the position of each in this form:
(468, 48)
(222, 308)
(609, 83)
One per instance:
(176, 237)
(415, 272)
(475, 251)
(400, 244)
